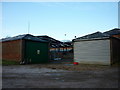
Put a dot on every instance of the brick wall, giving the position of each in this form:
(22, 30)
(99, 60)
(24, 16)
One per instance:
(11, 50)
(116, 36)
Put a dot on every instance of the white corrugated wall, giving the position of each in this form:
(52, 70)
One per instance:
(92, 52)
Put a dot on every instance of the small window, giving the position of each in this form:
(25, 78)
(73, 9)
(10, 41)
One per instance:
(38, 51)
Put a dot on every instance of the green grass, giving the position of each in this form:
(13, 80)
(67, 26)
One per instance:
(6, 62)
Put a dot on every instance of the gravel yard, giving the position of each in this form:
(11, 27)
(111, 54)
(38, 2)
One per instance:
(59, 76)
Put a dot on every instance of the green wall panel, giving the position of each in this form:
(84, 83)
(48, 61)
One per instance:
(36, 52)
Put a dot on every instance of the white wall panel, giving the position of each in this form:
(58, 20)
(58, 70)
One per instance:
(92, 52)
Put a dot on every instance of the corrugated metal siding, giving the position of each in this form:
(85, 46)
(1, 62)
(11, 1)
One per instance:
(92, 52)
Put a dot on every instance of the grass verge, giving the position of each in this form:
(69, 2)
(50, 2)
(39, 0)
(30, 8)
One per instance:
(6, 62)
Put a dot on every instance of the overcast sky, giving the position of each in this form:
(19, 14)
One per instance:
(56, 19)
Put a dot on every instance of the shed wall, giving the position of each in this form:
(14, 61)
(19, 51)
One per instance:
(36, 52)
(0, 51)
(11, 50)
(92, 52)
(116, 36)
(115, 50)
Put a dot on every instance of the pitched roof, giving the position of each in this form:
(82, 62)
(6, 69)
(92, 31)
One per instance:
(24, 36)
(54, 42)
(45, 37)
(115, 31)
(98, 35)
(94, 35)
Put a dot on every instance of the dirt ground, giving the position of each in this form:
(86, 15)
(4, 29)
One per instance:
(59, 76)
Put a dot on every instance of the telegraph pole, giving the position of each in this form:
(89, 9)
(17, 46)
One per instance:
(28, 27)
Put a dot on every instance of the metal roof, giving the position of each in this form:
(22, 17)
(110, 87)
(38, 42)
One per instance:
(50, 39)
(115, 31)
(99, 35)
(101, 38)
(93, 35)
(24, 36)
(53, 42)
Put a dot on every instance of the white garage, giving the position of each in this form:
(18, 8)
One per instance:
(103, 50)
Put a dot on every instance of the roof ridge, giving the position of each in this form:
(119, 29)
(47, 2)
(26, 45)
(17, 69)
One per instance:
(24, 36)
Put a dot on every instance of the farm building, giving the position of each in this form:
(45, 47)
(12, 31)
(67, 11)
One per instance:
(58, 49)
(56, 45)
(97, 48)
(25, 49)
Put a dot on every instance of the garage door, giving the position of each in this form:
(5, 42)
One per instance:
(92, 52)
